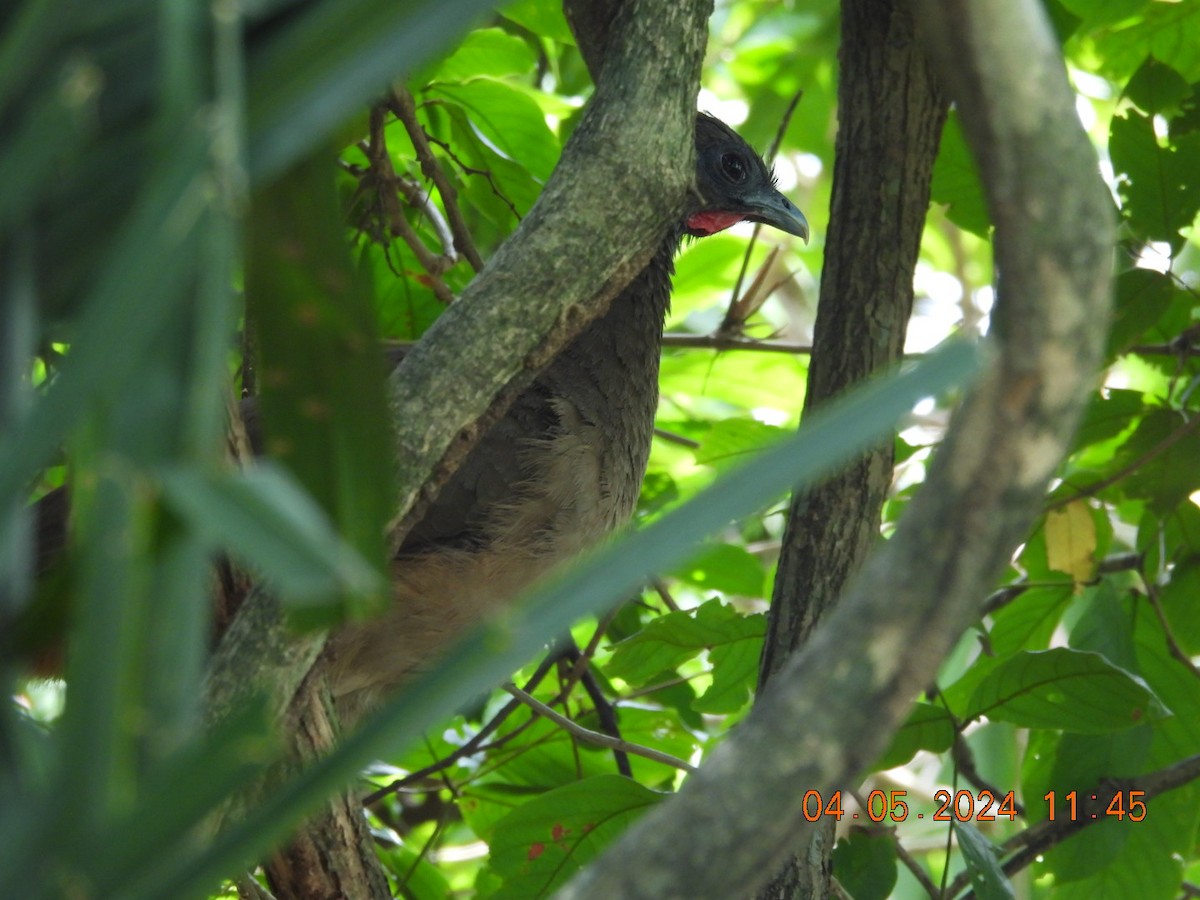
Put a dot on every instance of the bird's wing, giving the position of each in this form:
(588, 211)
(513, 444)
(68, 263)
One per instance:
(491, 476)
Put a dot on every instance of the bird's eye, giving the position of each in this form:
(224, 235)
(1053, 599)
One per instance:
(734, 167)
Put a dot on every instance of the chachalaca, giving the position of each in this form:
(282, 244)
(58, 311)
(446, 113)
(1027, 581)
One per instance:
(563, 468)
(557, 473)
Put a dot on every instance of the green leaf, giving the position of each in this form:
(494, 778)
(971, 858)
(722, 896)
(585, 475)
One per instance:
(1179, 605)
(1065, 689)
(503, 189)
(928, 727)
(956, 182)
(987, 878)
(265, 519)
(734, 440)
(1158, 193)
(727, 568)
(487, 52)
(1142, 297)
(1157, 88)
(324, 400)
(1108, 414)
(543, 843)
(864, 863)
(1080, 762)
(1029, 621)
(510, 121)
(483, 803)
(1163, 452)
(670, 640)
(1170, 32)
(540, 17)
(422, 878)
(316, 66)
(141, 282)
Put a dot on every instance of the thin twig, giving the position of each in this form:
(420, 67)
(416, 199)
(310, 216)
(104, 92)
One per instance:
(915, 868)
(469, 748)
(605, 713)
(964, 760)
(672, 438)
(1037, 839)
(714, 342)
(774, 149)
(404, 108)
(585, 658)
(471, 170)
(660, 588)
(248, 888)
(743, 306)
(1170, 348)
(733, 342)
(386, 187)
(420, 198)
(1155, 451)
(1172, 644)
(594, 737)
(650, 689)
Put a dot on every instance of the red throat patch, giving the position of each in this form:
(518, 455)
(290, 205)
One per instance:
(710, 221)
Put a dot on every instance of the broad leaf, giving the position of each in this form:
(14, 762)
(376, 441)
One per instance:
(540, 845)
(1065, 689)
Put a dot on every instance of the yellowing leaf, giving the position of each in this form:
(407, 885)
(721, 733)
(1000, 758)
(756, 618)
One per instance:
(1071, 541)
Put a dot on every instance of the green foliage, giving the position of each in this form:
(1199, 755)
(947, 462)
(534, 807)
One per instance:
(134, 134)
(542, 843)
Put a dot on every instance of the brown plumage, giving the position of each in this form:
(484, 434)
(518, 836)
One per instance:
(564, 467)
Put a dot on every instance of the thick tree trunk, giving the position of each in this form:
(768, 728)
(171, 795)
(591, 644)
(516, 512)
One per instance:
(835, 703)
(640, 91)
(890, 116)
(332, 856)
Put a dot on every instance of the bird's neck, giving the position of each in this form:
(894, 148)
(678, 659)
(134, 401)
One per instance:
(609, 374)
(614, 360)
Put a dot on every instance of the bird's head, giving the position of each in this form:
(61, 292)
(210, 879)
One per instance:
(735, 185)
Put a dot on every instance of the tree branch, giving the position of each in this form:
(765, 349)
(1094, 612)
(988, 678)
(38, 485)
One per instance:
(891, 115)
(596, 224)
(597, 211)
(832, 708)
(1037, 839)
(594, 737)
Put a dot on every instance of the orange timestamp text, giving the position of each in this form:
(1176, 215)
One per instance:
(1077, 807)
(884, 806)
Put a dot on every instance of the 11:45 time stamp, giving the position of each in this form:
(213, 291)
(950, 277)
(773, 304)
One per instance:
(981, 806)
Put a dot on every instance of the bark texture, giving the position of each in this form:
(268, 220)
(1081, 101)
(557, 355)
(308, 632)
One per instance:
(890, 116)
(832, 707)
(594, 227)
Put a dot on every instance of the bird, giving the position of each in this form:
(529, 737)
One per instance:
(563, 468)
(559, 472)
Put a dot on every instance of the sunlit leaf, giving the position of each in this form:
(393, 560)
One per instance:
(956, 182)
(509, 120)
(1071, 541)
(1065, 689)
(540, 845)
(487, 52)
(1159, 196)
(727, 568)
(928, 727)
(671, 639)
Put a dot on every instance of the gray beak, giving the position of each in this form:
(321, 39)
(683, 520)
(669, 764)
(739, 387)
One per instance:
(768, 206)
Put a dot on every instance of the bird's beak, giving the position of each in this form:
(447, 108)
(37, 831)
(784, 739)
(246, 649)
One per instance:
(770, 207)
